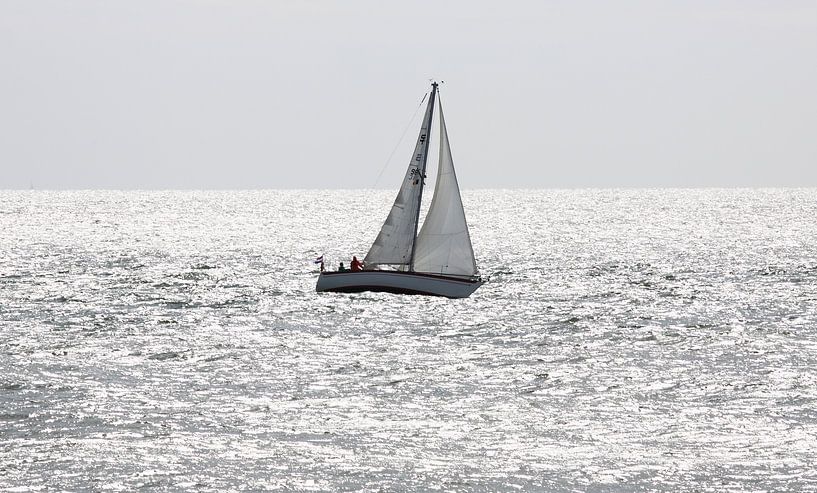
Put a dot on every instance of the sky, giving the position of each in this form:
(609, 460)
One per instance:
(258, 94)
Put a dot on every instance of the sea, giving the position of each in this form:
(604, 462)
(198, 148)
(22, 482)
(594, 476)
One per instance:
(626, 340)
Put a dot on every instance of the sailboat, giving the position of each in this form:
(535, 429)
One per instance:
(439, 261)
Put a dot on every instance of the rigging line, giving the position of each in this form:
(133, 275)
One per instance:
(400, 141)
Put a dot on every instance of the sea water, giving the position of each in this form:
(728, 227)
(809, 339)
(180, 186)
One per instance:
(655, 340)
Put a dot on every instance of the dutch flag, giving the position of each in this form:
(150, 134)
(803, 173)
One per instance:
(319, 259)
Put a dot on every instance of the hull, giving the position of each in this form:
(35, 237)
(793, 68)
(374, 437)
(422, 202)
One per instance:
(398, 282)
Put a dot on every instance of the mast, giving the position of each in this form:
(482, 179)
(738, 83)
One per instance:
(423, 174)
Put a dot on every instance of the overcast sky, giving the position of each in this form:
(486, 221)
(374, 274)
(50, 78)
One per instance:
(315, 94)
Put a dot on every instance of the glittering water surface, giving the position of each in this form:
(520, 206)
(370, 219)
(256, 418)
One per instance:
(627, 340)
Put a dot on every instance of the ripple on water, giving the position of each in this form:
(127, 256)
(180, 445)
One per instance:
(627, 339)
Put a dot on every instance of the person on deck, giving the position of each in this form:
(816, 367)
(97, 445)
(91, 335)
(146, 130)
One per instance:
(341, 268)
(357, 265)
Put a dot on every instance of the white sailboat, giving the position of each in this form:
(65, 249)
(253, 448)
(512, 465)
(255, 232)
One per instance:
(438, 261)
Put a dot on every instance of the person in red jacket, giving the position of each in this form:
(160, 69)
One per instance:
(357, 265)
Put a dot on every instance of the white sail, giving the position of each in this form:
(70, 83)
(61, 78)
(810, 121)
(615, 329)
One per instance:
(394, 243)
(444, 244)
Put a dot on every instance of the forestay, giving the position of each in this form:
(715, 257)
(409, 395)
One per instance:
(394, 243)
(444, 244)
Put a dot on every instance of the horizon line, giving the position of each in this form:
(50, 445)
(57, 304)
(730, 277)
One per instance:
(259, 189)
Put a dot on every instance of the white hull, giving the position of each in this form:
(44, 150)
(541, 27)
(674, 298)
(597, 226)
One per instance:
(398, 282)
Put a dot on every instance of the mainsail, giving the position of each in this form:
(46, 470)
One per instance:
(444, 244)
(394, 245)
